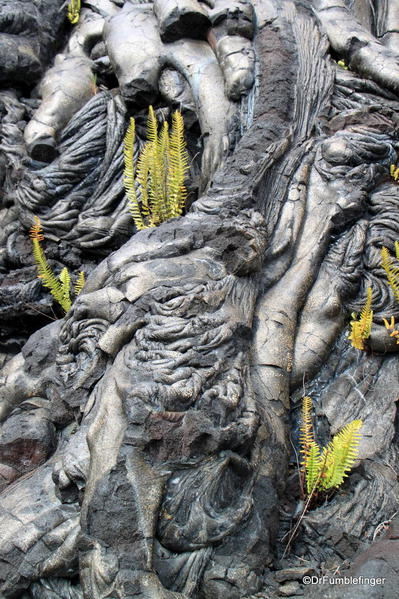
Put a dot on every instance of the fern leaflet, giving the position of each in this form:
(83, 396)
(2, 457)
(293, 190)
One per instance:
(394, 171)
(65, 279)
(128, 175)
(341, 454)
(391, 270)
(313, 467)
(80, 282)
(361, 327)
(74, 7)
(178, 166)
(306, 437)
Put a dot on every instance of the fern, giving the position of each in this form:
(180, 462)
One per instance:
(361, 327)
(55, 285)
(155, 179)
(163, 151)
(390, 326)
(313, 467)
(306, 436)
(342, 64)
(327, 469)
(391, 269)
(60, 287)
(340, 455)
(128, 175)
(178, 166)
(159, 174)
(74, 7)
(394, 171)
(65, 279)
(80, 282)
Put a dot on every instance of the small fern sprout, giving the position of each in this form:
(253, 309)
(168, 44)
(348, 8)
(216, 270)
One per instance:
(390, 327)
(394, 171)
(73, 13)
(361, 326)
(341, 63)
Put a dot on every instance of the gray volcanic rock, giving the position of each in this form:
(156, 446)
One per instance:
(29, 35)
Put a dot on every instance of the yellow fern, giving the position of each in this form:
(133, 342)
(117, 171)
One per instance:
(394, 171)
(163, 150)
(160, 172)
(306, 436)
(342, 64)
(391, 269)
(128, 175)
(55, 285)
(178, 166)
(60, 287)
(74, 7)
(80, 282)
(390, 327)
(361, 327)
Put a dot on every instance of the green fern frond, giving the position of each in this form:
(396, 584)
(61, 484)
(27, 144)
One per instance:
(391, 270)
(163, 145)
(313, 467)
(142, 175)
(80, 282)
(74, 7)
(160, 172)
(340, 455)
(152, 126)
(49, 280)
(128, 176)
(366, 315)
(156, 186)
(306, 436)
(394, 171)
(326, 469)
(361, 327)
(65, 279)
(178, 166)
(60, 287)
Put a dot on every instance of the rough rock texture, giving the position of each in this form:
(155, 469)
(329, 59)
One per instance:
(29, 35)
(147, 436)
